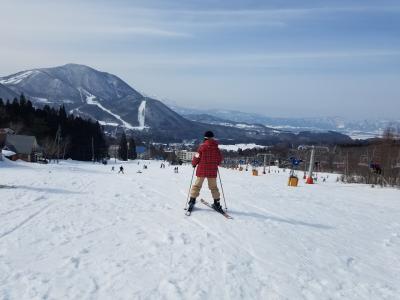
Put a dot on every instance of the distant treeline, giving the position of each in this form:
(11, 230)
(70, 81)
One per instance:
(60, 134)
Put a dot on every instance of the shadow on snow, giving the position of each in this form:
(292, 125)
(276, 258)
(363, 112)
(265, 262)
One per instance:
(49, 190)
(278, 219)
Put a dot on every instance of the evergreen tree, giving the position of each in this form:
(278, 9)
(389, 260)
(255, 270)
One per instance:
(76, 133)
(123, 148)
(62, 113)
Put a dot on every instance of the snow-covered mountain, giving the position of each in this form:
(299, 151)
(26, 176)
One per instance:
(104, 97)
(99, 95)
(354, 128)
(209, 119)
(84, 91)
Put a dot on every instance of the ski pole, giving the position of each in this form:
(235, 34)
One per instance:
(222, 189)
(190, 187)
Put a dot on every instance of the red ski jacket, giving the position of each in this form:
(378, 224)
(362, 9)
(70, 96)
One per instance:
(207, 159)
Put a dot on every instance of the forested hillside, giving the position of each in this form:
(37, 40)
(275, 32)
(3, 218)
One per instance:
(56, 131)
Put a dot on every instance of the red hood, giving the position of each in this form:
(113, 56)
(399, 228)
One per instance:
(211, 143)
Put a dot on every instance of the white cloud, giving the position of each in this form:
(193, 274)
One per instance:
(247, 17)
(278, 59)
(141, 31)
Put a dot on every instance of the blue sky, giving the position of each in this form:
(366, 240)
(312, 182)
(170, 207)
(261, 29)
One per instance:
(279, 58)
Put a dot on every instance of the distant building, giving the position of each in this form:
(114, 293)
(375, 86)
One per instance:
(142, 152)
(25, 147)
(3, 135)
(185, 155)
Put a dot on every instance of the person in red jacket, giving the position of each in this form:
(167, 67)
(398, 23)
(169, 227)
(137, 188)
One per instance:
(207, 160)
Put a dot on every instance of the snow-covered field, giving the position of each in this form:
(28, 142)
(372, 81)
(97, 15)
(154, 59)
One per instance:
(80, 231)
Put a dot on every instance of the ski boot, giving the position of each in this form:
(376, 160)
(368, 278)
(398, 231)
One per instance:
(217, 206)
(192, 202)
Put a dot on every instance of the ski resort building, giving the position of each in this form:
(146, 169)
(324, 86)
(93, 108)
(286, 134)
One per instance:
(142, 152)
(185, 156)
(25, 147)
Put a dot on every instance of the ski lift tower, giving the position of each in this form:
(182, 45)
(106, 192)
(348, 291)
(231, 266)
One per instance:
(309, 179)
(269, 155)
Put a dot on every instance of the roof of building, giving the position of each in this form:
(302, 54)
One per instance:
(6, 130)
(140, 149)
(22, 144)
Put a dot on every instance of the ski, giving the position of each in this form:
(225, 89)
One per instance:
(210, 206)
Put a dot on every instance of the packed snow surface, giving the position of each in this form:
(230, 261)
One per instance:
(81, 231)
(18, 77)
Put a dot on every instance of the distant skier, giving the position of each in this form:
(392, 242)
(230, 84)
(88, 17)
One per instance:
(121, 170)
(207, 160)
(112, 168)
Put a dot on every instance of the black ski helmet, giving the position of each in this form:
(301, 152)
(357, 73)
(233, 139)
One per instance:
(208, 134)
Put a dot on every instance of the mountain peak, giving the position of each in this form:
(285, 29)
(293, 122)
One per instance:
(76, 66)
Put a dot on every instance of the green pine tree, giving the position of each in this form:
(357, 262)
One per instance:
(123, 148)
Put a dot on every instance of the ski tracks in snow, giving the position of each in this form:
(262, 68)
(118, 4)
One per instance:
(22, 223)
(95, 234)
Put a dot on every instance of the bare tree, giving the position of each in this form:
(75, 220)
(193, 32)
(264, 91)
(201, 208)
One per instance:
(49, 148)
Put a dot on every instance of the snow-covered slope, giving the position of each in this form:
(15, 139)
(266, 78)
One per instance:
(142, 114)
(81, 231)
